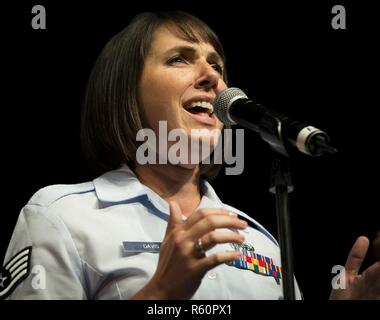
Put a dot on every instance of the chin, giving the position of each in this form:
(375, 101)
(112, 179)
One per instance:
(188, 166)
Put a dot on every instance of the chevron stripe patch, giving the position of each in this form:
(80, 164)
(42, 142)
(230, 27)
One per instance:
(14, 271)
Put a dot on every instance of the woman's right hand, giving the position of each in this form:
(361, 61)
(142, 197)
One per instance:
(180, 266)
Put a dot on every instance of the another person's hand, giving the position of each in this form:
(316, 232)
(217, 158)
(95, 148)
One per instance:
(376, 247)
(180, 267)
(359, 286)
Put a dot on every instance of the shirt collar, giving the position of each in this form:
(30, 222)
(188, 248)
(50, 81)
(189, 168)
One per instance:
(122, 185)
(118, 185)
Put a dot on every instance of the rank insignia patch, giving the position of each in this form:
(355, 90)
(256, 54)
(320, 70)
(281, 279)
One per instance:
(255, 262)
(14, 272)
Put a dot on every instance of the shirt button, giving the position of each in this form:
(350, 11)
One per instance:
(212, 275)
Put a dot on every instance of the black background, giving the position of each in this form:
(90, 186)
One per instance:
(284, 54)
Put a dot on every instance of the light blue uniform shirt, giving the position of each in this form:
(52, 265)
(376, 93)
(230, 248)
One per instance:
(75, 234)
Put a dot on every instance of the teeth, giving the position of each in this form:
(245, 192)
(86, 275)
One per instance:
(203, 104)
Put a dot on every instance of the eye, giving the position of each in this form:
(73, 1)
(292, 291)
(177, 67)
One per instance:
(177, 59)
(218, 68)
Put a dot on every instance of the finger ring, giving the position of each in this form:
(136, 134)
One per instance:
(198, 247)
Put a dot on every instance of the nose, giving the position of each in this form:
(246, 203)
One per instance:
(207, 77)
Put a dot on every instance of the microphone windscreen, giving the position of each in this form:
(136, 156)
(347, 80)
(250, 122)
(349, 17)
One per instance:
(223, 102)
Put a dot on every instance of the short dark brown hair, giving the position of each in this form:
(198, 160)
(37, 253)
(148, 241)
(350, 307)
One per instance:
(111, 116)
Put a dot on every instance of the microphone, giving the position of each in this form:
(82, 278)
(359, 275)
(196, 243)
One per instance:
(232, 106)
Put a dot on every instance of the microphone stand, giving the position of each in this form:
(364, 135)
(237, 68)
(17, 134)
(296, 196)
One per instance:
(281, 186)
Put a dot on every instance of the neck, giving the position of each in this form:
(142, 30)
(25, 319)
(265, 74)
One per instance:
(173, 182)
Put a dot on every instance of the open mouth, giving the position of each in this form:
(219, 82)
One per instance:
(200, 107)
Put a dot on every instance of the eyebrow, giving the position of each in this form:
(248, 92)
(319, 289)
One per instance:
(213, 55)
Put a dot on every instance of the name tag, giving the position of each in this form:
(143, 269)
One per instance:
(131, 246)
